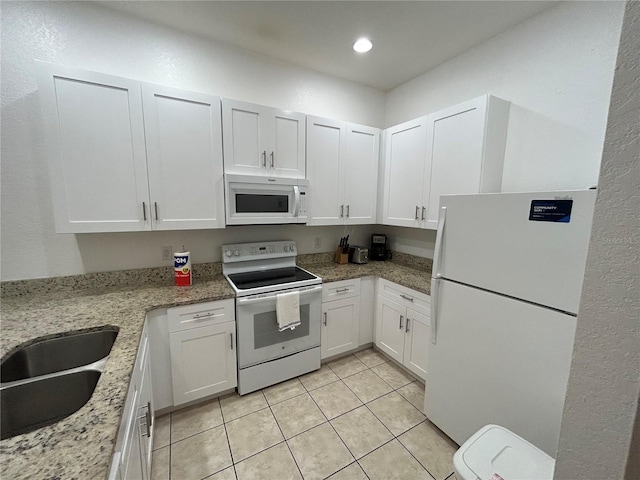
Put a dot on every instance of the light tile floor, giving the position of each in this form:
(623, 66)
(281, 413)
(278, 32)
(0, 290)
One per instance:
(357, 417)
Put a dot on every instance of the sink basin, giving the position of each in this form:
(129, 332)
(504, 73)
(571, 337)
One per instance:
(35, 404)
(57, 354)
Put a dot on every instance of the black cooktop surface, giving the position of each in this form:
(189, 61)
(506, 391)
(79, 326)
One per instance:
(267, 278)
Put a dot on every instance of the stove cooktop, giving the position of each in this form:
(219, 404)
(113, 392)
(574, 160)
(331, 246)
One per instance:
(273, 277)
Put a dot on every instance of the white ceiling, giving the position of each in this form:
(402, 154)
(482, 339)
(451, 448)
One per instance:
(409, 38)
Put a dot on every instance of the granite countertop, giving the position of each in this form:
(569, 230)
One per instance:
(81, 445)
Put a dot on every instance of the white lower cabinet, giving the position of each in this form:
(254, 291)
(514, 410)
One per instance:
(202, 342)
(132, 458)
(403, 325)
(340, 317)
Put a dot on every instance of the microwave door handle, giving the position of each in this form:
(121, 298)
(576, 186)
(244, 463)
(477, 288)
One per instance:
(296, 193)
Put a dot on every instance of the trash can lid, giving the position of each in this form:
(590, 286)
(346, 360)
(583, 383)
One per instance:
(496, 453)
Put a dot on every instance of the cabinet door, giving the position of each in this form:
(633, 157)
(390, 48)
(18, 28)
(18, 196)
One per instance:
(244, 131)
(405, 156)
(390, 327)
(455, 139)
(203, 361)
(286, 140)
(341, 324)
(146, 417)
(360, 173)
(466, 150)
(132, 463)
(326, 144)
(96, 151)
(184, 154)
(416, 342)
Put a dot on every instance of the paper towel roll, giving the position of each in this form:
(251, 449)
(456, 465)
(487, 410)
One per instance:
(182, 268)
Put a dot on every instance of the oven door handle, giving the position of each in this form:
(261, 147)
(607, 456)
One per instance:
(249, 300)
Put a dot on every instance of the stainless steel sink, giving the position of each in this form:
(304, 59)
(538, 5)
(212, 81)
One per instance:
(49, 380)
(57, 354)
(38, 403)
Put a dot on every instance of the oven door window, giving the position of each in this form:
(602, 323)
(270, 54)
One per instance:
(256, 203)
(259, 339)
(265, 335)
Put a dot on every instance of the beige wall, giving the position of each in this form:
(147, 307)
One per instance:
(601, 407)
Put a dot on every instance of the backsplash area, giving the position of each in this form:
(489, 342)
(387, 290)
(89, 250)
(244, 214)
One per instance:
(163, 275)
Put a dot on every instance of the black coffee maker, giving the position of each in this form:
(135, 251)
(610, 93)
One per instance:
(378, 250)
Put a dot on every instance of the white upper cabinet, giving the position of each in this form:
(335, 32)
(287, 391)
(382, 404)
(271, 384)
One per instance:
(342, 165)
(127, 156)
(360, 174)
(405, 173)
(261, 140)
(459, 150)
(466, 146)
(96, 151)
(184, 154)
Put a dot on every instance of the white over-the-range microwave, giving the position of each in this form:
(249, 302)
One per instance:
(255, 200)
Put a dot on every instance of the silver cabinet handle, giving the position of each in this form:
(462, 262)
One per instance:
(341, 211)
(406, 298)
(348, 210)
(424, 211)
(231, 341)
(155, 206)
(342, 290)
(147, 419)
(407, 327)
(272, 160)
(144, 211)
(264, 158)
(325, 319)
(417, 211)
(401, 318)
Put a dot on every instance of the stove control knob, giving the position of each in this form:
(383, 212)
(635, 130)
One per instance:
(236, 253)
(228, 253)
(293, 247)
(286, 248)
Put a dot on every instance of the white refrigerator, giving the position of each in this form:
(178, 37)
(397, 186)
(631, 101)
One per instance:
(505, 290)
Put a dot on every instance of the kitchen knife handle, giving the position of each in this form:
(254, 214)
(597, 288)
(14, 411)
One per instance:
(401, 318)
(144, 211)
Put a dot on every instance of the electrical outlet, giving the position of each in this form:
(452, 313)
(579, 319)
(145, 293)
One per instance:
(316, 243)
(167, 252)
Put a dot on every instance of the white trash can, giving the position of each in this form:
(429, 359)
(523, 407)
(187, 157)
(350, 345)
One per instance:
(495, 453)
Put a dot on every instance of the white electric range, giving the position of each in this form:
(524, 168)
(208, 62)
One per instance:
(258, 273)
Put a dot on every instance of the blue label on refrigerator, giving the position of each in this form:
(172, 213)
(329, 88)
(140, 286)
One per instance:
(551, 210)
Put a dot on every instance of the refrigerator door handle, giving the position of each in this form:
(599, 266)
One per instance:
(438, 249)
(435, 286)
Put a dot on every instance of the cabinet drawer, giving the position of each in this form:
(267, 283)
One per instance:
(342, 289)
(405, 296)
(200, 315)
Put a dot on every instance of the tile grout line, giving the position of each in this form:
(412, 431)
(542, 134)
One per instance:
(282, 433)
(333, 428)
(394, 437)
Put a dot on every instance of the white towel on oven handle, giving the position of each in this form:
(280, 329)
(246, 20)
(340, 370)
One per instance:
(288, 310)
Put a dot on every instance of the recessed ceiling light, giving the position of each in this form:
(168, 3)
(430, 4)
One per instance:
(362, 45)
